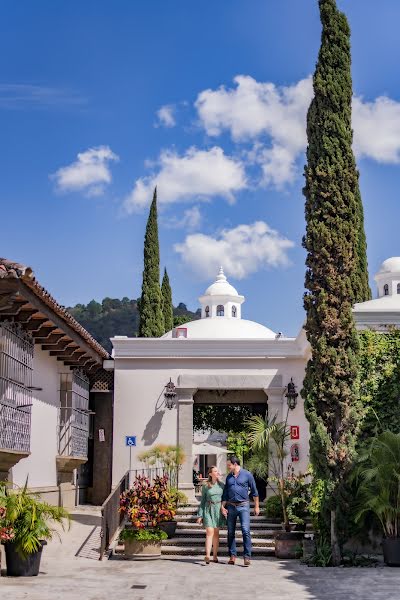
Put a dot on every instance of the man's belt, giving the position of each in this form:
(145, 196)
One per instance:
(229, 503)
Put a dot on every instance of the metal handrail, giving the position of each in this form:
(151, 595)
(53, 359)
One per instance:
(111, 518)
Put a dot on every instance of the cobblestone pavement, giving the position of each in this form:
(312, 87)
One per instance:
(70, 571)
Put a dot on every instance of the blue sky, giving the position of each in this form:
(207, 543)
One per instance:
(206, 99)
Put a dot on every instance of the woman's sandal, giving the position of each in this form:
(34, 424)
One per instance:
(207, 560)
(215, 559)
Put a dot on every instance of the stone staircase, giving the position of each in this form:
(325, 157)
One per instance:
(189, 537)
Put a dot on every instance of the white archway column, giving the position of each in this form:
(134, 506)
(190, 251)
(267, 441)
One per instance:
(185, 440)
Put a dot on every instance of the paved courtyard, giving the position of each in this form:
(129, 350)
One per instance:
(71, 571)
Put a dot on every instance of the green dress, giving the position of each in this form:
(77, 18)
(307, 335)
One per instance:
(210, 505)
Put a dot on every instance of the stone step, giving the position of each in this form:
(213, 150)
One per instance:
(195, 551)
(193, 517)
(199, 542)
(192, 525)
(223, 532)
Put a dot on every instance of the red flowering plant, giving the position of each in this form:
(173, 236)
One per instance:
(6, 531)
(148, 504)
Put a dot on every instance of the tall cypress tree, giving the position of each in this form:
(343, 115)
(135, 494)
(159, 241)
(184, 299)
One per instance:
(150, 306)
(333, 242)
(166, 293)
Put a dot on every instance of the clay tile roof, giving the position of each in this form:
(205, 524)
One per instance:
(13, 270)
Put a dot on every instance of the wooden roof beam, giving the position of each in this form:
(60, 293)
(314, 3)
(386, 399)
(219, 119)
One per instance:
(43, 333)
(64, 347)
(50, 340)
(35, 324)
(58, 321)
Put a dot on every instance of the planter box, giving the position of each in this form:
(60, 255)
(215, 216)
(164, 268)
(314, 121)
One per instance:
(142, 550)
(288, 544)
(391, 551)
(19, 567)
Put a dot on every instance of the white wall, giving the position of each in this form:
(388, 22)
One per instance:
(40, 466)
(138, 392)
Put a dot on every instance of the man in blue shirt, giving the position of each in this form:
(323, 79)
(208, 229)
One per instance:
(236, 503)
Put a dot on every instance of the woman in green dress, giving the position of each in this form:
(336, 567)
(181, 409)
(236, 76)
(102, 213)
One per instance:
(210, 512)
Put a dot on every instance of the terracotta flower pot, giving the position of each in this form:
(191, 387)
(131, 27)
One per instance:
(288, 544)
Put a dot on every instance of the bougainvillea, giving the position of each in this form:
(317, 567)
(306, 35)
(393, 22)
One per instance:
(147, 504)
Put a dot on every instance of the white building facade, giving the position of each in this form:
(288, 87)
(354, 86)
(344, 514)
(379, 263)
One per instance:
(220, 358)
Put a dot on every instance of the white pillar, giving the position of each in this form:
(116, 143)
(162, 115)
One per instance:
(185, 440)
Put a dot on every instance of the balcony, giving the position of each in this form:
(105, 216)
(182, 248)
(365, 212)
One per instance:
(16, 356)
(73, 422)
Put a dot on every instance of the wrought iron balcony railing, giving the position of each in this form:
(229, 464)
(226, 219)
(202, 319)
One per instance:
(15, 427)
(73, 424)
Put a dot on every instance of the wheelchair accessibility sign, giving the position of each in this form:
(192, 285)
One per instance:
(130, 440)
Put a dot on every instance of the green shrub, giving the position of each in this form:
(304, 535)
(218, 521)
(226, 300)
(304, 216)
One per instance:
(273, 508)
(143, 535)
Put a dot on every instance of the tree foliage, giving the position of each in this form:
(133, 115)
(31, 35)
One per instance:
(151, 322)
(334, 278)
(112, 317)
(380, 382)
(167, 307)
(221, 417)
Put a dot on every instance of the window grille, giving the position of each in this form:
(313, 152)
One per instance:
(16, 367)
(74, 414)
(220, 310)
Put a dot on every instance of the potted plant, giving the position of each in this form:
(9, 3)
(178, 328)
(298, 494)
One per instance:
(26, 521)
(378, 491)
(177, 498)
(268, 439)
(147, 506)
(164, 460)
(143, 543)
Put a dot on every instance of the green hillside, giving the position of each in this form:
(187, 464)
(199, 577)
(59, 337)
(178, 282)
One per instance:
(119, 317)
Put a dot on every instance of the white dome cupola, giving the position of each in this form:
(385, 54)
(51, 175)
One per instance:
(221, 300)
(388, 277)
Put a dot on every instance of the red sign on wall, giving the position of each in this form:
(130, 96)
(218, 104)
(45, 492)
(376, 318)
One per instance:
(294, 432)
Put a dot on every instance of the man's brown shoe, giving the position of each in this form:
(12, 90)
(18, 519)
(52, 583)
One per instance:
(232, 560)
(246, 562)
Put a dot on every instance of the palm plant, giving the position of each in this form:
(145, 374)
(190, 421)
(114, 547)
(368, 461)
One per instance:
(378, 483)
(168, 459)
(268, 438)
(29, 518)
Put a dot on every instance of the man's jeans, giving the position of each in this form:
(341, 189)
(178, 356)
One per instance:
(243, 512)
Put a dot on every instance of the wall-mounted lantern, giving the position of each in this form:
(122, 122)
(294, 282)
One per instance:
(291, 394)
(170, 395)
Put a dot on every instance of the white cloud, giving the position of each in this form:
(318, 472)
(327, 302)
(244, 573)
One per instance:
(254, 110)
(377, 129)
(191, 219)
(242, 250)
(196, 175)
(89, 173)
(166, 116)
(274, 119)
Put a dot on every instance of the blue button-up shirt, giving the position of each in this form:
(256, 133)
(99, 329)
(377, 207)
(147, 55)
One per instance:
(237, 488)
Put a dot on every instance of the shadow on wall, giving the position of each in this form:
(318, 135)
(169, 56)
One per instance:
(152, 429)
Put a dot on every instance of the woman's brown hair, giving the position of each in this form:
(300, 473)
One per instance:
(209, 479)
